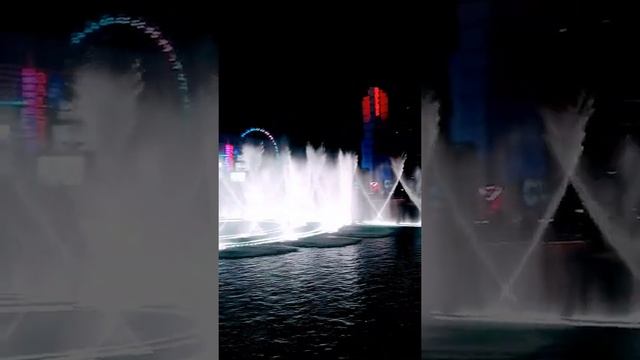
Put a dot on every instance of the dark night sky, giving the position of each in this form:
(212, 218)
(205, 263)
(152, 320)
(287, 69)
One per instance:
(305, 79)
(303, 74)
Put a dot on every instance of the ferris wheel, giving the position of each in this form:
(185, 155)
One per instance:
(262, 132)
(151, 32)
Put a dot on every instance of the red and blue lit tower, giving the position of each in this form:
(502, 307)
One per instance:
(375, 110)
(229, 156)
(34, 94)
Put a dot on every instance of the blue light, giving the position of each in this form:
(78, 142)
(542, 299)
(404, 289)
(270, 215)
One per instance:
(153, 32)
(12, 103)
(263, 131)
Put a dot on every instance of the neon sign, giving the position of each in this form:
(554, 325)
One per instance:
(228, 151)
(376, 103)
(384, 105)
(366, 109)
(492, 195)
(34, 92)
(374, 186)
(376, 100)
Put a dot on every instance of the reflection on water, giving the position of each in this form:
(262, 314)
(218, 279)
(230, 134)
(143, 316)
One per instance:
(356, 301)
(456, 340)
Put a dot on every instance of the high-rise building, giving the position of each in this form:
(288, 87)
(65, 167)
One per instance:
(492, 107)
(31, 122)
(29, 99)
(469, 73)
(375, 112)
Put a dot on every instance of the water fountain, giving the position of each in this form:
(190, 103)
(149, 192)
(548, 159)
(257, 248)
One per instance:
(127, 247)
(285, 198)
(497, 273)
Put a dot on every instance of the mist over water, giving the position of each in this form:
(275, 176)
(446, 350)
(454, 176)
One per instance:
(512, 266)
(140, 228)
(286, 196)
(291, 190)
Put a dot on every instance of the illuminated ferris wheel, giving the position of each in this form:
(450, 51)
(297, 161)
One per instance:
(262, 132)
(152, 33)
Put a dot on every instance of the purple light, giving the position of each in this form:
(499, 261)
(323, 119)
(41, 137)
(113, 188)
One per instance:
(228, 150)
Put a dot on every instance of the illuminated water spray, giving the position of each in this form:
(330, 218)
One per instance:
(284, 197)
